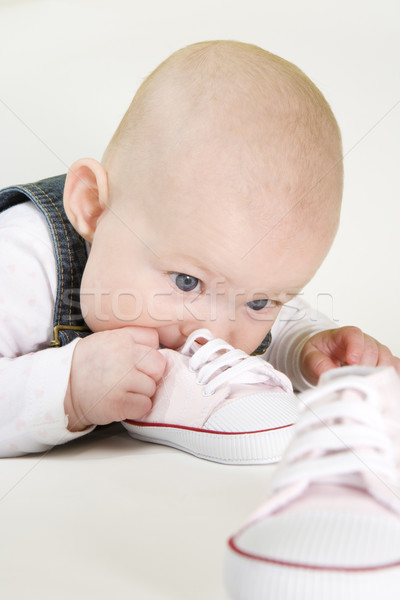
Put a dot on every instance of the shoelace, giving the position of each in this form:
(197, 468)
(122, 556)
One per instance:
(336, 437)
(217, 362)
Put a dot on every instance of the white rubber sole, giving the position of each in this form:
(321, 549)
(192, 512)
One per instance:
(247, 578)
(247, 448)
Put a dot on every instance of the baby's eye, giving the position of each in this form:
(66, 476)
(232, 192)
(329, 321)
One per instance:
(184, 282)
(259, 304)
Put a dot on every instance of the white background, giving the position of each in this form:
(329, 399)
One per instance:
(68, 70)
(106, 516)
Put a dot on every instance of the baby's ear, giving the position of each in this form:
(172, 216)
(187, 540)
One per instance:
(85, 195)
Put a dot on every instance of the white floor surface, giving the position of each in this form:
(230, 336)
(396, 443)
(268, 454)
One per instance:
(109, 516)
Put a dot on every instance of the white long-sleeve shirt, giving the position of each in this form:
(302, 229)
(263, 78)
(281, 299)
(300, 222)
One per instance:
(34, 377)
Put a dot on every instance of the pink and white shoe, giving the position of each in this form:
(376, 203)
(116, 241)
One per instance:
(220, 404)
(331, 527)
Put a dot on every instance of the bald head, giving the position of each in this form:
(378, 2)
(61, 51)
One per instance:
(236, 114)
(226, 85)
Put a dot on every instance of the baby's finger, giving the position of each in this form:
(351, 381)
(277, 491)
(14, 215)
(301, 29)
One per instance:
(315, 364)
(150, 361)
(352, 340)
(386, 358)
(140, 383)
(144, 335)
(370, 354)
(396, 364)
(136, 406)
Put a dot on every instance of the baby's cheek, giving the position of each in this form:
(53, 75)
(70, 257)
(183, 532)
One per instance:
(103, 310)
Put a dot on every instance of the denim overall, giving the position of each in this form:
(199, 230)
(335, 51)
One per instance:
(70, 250)
(71, 256)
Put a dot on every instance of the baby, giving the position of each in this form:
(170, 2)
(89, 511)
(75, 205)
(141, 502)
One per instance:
(215, 203)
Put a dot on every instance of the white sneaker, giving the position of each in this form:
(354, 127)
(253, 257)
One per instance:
(330, 529)
(220, 404)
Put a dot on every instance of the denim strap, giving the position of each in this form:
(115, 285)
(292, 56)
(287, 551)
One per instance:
(70, 251)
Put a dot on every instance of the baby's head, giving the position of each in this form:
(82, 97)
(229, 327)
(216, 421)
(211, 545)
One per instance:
(216, 201)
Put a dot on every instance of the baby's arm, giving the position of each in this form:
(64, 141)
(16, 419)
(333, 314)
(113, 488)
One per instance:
(33, 377)
(343, 346)
(305, 344)
(32, 390)
(295, 324)
(103, 378)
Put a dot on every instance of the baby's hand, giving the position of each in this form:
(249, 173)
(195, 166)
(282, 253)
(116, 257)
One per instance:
(345, 346)
(113, 377)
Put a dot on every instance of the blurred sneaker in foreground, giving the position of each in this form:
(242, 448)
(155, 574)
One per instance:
(220, 404)
(331, 527)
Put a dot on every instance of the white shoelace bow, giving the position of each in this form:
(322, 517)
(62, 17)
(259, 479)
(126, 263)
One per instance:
(336, 437)
(217, 363)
